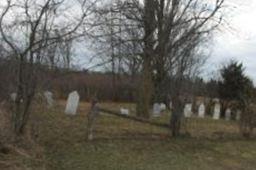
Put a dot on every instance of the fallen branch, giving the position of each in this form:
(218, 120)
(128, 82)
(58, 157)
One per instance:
(141, 120)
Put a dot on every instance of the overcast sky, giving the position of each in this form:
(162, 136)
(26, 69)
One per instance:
(239, 42)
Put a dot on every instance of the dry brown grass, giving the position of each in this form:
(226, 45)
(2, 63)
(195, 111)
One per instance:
(124, 144)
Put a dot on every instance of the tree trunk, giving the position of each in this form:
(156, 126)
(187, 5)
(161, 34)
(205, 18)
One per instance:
(145, 91)
(175, 122)
(145, 87)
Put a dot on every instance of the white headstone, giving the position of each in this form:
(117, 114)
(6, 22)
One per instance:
(124, 111)
(72, 103)
(162, 107)
(238, 115)
(188, 110)
(201, 111)
(156, 110)
(49, 98)
(13, 96)
(216, 111)
(228, 114)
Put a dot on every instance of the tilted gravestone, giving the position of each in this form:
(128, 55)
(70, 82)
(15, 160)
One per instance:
(49, 98)
(156, 110)
(72, 103)
(188, 110)
(216, 111)
(201, 111)
(228, 114)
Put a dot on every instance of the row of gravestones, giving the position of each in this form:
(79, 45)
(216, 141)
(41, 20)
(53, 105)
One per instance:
(159, 108)
(216, 112)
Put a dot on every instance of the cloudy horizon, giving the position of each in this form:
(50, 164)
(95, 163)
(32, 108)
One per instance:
(237, 42)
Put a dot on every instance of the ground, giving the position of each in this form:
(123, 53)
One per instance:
(124, 144)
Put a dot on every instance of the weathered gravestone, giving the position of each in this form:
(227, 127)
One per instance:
(201, 110)
(72, 103)
(162, 107)
(188, 110)
(228, 114)
(238, 115)
(13, 96)
(49, 98)
(124, 111)
(216, 111)
(156, 110)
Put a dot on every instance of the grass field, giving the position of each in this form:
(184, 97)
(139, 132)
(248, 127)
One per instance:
(121, 144)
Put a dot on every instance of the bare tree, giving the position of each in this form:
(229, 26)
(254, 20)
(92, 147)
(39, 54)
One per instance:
(169, 34)
(29, 29)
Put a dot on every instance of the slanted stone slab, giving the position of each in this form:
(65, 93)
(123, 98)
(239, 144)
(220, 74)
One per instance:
(72, 103)
(201, 110)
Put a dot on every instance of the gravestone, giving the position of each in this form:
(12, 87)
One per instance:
(162, 107)
(188, 110)
(216, 111)
(170, 105)
(238, 115)
(156, 110)
(228, 114)
(13, 96)
(201, 110)
(72, 103)
(124, 111)
(49, 98)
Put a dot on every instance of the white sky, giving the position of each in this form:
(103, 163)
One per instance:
(240, 43)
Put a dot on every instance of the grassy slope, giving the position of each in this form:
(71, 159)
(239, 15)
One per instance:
(121, 144)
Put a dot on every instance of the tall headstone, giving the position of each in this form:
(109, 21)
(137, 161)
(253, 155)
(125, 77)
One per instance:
(188, 110)
(49, 98)
(156, 110)
(72, 103)
(238, 115)
(216, 111)
(124, 111)
(201, 110)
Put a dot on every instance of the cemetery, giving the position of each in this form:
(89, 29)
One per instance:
(127, 85)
